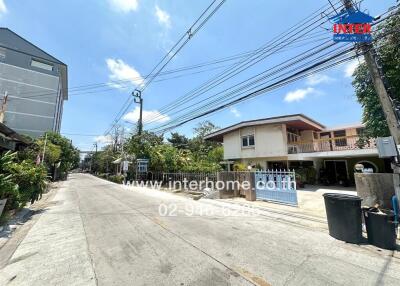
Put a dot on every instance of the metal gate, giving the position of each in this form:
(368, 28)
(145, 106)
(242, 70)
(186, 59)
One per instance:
(277, 186)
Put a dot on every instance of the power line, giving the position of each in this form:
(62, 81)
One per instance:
(254, 58)
(189, 34)
(320, 66)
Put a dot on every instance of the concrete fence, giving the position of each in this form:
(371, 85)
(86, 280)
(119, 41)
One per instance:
(375, 188)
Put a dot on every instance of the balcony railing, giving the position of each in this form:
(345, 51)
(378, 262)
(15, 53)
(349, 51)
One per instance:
(331, 144)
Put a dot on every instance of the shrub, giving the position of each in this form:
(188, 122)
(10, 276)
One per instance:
(239, 167)
(8, 189)
(119, 179)
(31, 180)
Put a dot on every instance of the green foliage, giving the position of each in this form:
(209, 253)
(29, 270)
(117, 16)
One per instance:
(20, 182)
(389, 54)
(239, 167)
(119, 179)
(141, 145)
(8, 189)
(306, 175)
(31, 180)
(180, 153)
(178, 141)
(69, 155)
(216, 154)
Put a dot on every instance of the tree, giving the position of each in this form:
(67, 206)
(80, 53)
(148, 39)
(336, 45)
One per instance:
(69, 156)
(389, 53)
(198, 145)
(178, 141)
(140, 145)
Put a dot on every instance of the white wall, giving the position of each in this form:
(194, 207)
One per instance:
(270, 141)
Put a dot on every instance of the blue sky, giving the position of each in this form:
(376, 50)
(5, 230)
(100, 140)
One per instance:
(104, 40)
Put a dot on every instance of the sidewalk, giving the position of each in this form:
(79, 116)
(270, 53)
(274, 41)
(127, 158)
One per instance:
(51, 249)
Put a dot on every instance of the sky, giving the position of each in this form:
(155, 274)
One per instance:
(104, 41)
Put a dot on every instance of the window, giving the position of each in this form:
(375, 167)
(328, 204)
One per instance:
(41, 65)
(248, 141)
(360, 131)
(341, 141)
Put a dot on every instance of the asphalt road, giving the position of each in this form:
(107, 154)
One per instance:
(98, 233)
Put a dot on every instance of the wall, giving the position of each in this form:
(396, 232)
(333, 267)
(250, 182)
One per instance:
(270, 141)
(375, 189)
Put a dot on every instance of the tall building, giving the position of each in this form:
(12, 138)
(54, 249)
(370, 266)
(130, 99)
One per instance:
(33, 86)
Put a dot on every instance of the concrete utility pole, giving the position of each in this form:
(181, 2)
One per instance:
(138, 99)
(384, 98)
(44, 148)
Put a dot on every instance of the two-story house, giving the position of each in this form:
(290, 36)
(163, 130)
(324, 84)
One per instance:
(33, 86)
(294, 141)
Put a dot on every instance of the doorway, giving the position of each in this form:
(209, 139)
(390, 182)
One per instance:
(336, 171)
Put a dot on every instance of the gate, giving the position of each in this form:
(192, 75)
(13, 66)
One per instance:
(277, 186)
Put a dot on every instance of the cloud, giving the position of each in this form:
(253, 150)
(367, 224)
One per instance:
(298, 94)
(3, 7)
(120, 71)
(155, 115)
(124, 6)
(316, 79)
(163, 17)
(350, 68)
(235, 111)
(103, 139)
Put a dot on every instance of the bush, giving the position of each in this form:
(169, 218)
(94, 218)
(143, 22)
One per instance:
(119, 179)
(8, 189)
(239, 167)
(31, 180)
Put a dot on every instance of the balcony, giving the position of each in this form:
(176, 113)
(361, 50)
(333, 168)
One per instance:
(331, 144)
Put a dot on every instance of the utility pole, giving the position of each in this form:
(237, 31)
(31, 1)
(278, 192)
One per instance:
(376, 74)
(44, 148)
(3, 107)
(137, 94)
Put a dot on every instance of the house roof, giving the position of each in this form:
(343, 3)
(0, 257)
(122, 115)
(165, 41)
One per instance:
(12, 41)
(10, 133)
(296, 120)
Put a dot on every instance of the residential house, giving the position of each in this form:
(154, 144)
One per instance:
(296, 141)
(33, 86)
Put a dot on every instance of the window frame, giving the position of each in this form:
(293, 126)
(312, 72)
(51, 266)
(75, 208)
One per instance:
(42, 65)
(247, 138)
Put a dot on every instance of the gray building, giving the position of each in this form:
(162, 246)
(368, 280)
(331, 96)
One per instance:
(33, 86)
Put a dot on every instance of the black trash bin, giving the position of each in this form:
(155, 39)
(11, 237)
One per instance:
(344, 216)
(381, 229)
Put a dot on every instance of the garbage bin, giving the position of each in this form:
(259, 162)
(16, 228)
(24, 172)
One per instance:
(344, 216)
(381, 229)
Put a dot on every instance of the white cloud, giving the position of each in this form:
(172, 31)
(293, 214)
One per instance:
(235, 111)
(163, 17)
(350, 68)
(120, 71)
(124, 6)
(3, 7)
(298, 94)
(155, 115)
(103, 139)
(316, 79)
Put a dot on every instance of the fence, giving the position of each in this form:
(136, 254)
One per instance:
(278, 186)
(331, 144)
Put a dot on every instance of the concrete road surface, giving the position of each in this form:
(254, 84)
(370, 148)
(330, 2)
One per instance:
(98, 233)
